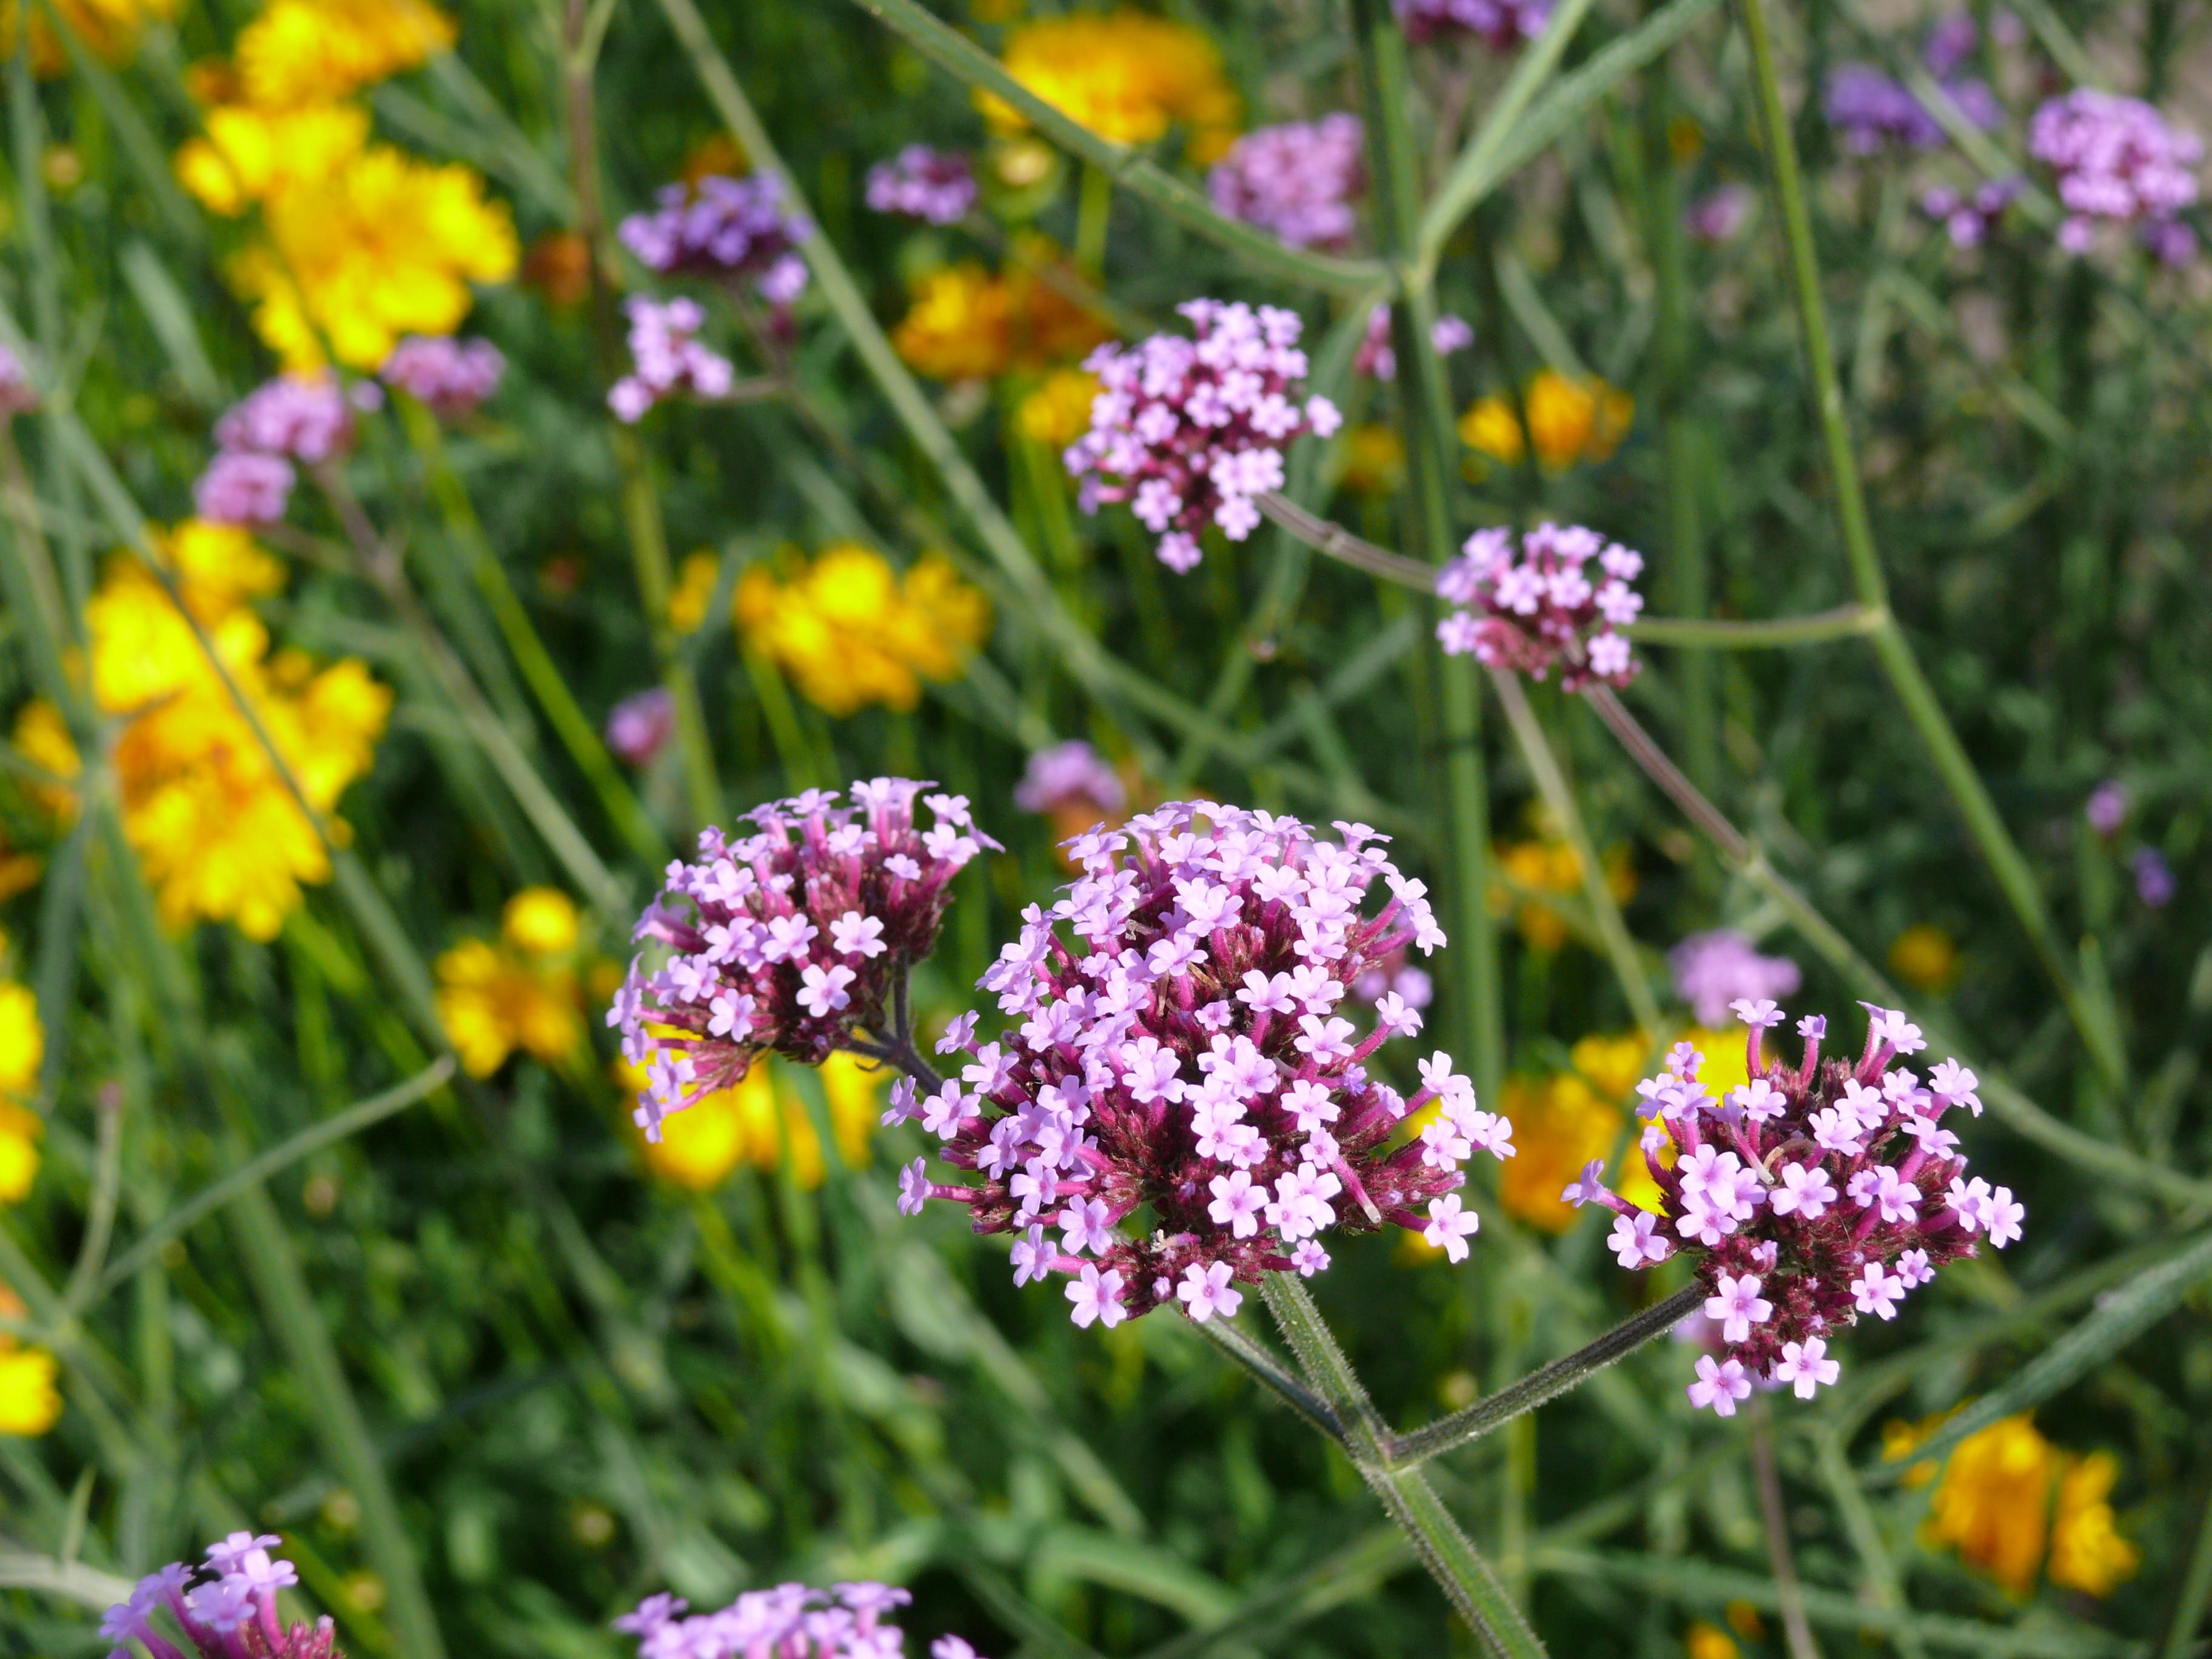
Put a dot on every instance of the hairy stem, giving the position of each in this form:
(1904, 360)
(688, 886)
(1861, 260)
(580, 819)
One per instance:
(1241, 1347)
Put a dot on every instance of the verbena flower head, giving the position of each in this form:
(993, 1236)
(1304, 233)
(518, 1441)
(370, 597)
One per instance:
(791, 938)
(452, 377)
(937, 186)
(1868, 109)
(1720, 214)
(1189, 431)
(1525, 608)
(1378, 358)
(790, 1622)
(666, 358)
(2115, 158)
(1180, 1051)
(1299, 180)
(17, 395)
(1069, 775)
(2108, 807)
(229, 1614)
(1969, 219)
(239, 488)
(1812, 1194)
(2154, 882)
(639, 726)
(1713, 970)
(306, 419)
(1503, 23)
(734, 228)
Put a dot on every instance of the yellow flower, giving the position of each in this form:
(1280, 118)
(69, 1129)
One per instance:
(108, 28)
(518, 994)
(1551, 865)
(756, 1121)
(29, 1403)
(216, 831)
(1559, 1124)
(382, 246)
(1374, 459)
(305, 51)
(1573, 422)
(1614, 1064)
(695, 585)
(967, 324)
(23, 1042)
(1058, 412)
(249, 154)
(1703, 1641)
(850, 631)
(1127, 77)
(1993, 1505)
(2087, 1551)
(1925, 956)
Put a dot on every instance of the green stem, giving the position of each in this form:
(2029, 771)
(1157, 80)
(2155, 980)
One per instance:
(1094, 216)
(1406, 1495)
(1241, 1347)
(1707, 633)
(1774, 1518)
(648, 550)
(1552, 784)
(1922, 709)
(2194, 1593)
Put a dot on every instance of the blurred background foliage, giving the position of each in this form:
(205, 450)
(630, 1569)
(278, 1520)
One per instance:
(491, 1368)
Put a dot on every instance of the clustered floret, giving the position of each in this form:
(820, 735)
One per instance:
(1299, 180)
(1503, 23)
(1069, 775)
(1377, 357)
(1189, 431)
(1526, 609)
(1711, 971)
(790, 1622)
(1811, 1195)
(723, 228)
(937, 186)
(307, 420)
(666, 358)
(231, 1614)
(451, 377)
(792, 939)
(1970, 219)
(1868, 109)
(1179, 1052)
(2118, 159)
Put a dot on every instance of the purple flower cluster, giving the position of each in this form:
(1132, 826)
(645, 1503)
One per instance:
(1812, 1195)
(451, 377)
(1377, 357)
(1713, 970)
(229, 1615)
(791, 1621)
(790, 939)
(639, 726)
(1503, 23)
(2108, 807)
(1528, 608)
(731, 227)
(666, 358)
(2118, 159)
(1868, 109)
(1720, 214)
(937, 186)
(1179, 1054)
(1972, 219)
(279, 421)
(1298, 181)
(1189, 431)
(17, 395)
(1069, 776)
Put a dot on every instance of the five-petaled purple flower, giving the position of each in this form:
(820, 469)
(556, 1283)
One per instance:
(1525, 608)
(792, 939)
(1189, 431)
(1180, 1053)
(229, 1615)
(1810, 1195)
(1299, 180)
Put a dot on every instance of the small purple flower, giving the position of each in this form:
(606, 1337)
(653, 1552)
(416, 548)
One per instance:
(1527, 607)
(2114, 158)
(1377, 357)
(2108, 807)
(451, 377)
(241, 487)
(17, 395)
(639, 726)
(227, 1616)
(1189, 431)
(937, 186)
(790, 1622)
(1711, 970)
(1299, 180)
(1720, 214)
(1868, 109)
(1503, 23)
(666, 358)
(308, 420)
(1950, 43)
(1069, 775)
(1970, 219)
(2154, 882)
(731, 228)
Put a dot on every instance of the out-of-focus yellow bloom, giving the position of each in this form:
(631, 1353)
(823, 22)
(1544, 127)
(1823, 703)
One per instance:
(967, 324)
(308, 52)
(1925, 956)
(109, 28)
(1551, 865)
(850, 631)
(1614, 1064)
(216, 831)
(383, 246)
(2010, 1501)
(695, 586)
(1058, 412)
(1125, 76)
(1374, 459)
(755, 1122)
(1559, 1124)
(23, 1048)
(1704, 1641)
(29, 1401)
(520, 994)
(249, 154)
(1573, 422)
